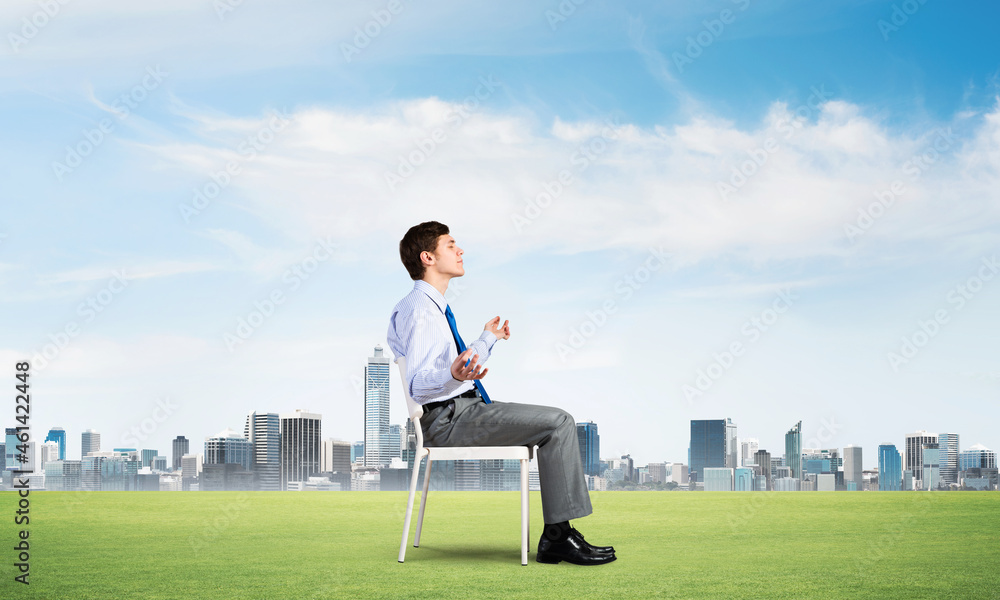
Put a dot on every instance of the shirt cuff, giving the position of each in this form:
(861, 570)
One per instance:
(488, 338)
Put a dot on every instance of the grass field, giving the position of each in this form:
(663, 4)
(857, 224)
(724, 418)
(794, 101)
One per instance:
(305, 545)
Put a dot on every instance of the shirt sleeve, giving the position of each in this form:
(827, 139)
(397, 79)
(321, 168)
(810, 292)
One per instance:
(428, 367)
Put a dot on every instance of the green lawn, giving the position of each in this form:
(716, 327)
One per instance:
(303, 545)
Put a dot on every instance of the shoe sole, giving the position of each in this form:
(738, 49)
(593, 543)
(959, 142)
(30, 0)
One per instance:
(552, 560)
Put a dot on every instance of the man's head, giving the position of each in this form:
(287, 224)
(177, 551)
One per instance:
(429, 245)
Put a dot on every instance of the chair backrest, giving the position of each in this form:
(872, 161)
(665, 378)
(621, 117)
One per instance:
(414, 409)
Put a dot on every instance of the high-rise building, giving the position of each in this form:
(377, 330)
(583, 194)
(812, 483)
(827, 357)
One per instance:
(748, 449)
(732, 445)
(191, 465)
(263, 431)
(853, 471)
(930, 479)
(378, 448)
(763, 460)
(743, 479)
(58, 435)
(301, 446)
(228, 447)
(358, 452)
(336, 457)
(48, 452)
(590, 447)
(147, 457)
(793, 450)
(718, 479)
(913, 457)
(11, 453)
(977, 457)
(890, 468)
(948, 456)
(181, 446)
(395, 441)
(710, 446)
(90, 441)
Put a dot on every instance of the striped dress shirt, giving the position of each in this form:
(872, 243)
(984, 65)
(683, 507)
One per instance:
(419, 331)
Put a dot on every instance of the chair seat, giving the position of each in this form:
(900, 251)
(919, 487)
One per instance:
(478, 452)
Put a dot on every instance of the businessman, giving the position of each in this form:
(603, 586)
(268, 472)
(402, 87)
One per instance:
(446, 378)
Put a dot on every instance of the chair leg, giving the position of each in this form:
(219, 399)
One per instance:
(524, 513)
(423, 502)
(409, 508)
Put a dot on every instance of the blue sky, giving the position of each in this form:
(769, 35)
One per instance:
(638, 188)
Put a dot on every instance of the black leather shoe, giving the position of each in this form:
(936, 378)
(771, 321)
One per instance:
(597, 549)
(572, 549)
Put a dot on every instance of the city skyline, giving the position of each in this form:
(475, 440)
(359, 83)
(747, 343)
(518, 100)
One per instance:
(685, 210)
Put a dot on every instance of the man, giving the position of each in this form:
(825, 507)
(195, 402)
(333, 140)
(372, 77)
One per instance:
(457, 409)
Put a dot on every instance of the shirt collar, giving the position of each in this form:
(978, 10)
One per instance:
(432, 293)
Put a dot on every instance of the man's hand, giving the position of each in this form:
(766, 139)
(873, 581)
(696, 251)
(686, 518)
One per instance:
(467, 372)
(502, 333)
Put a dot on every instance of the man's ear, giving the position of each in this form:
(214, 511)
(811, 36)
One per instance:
(426, 258)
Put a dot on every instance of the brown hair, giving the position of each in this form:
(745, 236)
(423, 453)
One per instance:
(419, 238)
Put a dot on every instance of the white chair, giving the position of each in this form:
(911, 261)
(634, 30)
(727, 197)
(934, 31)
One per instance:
(521, 453)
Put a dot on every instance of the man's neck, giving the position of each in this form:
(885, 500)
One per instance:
(437, 281)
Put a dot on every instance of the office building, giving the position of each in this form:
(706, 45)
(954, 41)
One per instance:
(62, 475)
(378, 446)
(748, 451)
(890, 468)
(913, 458)
(853, 470)
(90, 441)
(263, 431)
(930, 478)
(395, 442)
(793, 450)
(743, 479)
(763, 459)
(181, 446)
(146, 457)
(48, 452)
(826, 482)
(336, 457)
(977, 457)
(358, 452)
(590, 447)
(228, 447)
(58, 435)
(191, 465)
(301, 446)
(718, 479)
(948, 457)
(713, 445)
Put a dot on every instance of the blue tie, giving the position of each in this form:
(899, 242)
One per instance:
(461, 348)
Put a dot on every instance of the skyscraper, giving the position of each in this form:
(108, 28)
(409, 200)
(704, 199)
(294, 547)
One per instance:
(58, 435)
(301, 446)
(147, 456)
(977, 457)
(732, 445)
(181, 445)
(763, 460)
(793, 450)
(228, 447)
(948, 457)
(336, 457)
(90, 441)
(853, 471)
(913, 457)
(263, 430)
(377, 438)
(930, 479)
(395, 442)
(710, 446)
(590, 447)
(748, 448)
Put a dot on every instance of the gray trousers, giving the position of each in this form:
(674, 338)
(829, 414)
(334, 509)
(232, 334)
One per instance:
(472, 422)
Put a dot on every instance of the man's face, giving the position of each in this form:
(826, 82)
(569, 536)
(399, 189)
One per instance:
(448, 257)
